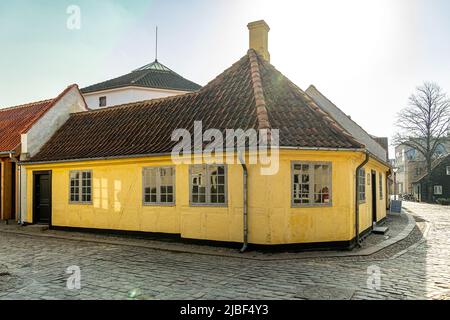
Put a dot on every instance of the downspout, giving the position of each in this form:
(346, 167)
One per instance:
(357, 240)
(245, 204)
(19, 185)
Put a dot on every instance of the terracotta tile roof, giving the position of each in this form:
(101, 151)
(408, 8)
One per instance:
(17, 120)
(153, 75)
(250, 94)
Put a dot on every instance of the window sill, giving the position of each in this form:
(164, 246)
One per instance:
(297, 206)
(210, 205)
(81, 203)
(159, 205)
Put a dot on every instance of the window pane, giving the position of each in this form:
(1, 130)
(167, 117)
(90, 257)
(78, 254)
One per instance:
(321, 184)
(81, 186)
(362, 185)
(159, 185)
(198, 192)
(217, 184)
(380, 182)
(311, 184)
(208, 184)
(150, 187)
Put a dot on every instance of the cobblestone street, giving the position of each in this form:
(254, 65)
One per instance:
(35, 268)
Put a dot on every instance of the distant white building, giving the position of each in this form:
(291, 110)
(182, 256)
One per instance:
(152, 81)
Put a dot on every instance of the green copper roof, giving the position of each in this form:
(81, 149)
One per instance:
(154, 66)
(153, 75)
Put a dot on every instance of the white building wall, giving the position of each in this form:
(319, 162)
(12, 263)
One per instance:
(42, 131)
(51, 121)
(121, 96)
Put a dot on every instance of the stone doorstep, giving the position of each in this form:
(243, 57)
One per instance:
(38, 230)
(29, 228)
(380, 230)
(8, 222)
(36, 227)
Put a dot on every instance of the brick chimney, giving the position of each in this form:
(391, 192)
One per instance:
(259, 38)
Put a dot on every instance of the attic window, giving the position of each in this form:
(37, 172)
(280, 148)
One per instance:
(102, 102)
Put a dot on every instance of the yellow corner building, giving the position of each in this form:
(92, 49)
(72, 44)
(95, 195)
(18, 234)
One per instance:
(112, 169)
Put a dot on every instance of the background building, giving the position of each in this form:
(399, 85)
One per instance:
(411, 165)
(152, 81)
(439, 185)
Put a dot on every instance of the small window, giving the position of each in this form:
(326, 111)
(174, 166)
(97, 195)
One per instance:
(208, 185)
(381, 185)
(448, 170)
(438, 190)
(362, 185)
(102, 102)
(418, 172)
(81, 187)
(311, 184)
(159, 186)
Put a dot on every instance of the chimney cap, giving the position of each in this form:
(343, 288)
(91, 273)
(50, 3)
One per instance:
(257, 24)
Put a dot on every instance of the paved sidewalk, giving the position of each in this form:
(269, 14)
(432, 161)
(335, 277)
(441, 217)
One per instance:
(417, 267)
(400, 226)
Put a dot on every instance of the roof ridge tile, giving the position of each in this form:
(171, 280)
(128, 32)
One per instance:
(261, 107)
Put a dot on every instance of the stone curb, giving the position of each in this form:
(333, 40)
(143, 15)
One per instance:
(301, 255)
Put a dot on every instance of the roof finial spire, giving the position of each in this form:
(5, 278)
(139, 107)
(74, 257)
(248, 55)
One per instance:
(156, 50)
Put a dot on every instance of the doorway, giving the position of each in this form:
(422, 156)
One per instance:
(374, 197)
(42, 200)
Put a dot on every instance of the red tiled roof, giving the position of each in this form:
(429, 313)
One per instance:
(15, 121)
(250, 94)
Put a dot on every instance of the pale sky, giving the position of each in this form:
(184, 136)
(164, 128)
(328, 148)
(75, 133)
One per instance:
(367, 56)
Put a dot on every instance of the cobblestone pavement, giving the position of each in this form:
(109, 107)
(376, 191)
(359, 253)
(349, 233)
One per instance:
(35, 268)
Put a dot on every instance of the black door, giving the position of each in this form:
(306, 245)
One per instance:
(374, 196)
(42, 197)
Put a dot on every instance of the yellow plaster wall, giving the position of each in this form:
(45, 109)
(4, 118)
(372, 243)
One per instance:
(117, 201)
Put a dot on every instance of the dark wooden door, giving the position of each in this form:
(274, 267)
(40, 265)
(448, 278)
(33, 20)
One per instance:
(42, 198)
(374, 196)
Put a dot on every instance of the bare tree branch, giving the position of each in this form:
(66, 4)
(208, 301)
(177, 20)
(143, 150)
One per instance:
(424, 123)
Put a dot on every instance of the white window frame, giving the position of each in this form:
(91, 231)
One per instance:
(311, 185)
(380, 178)
(100, 101)
(448, 170)
(157, 170)
(80, 187)
(362, 183)
(206, 174)
(437, 193)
